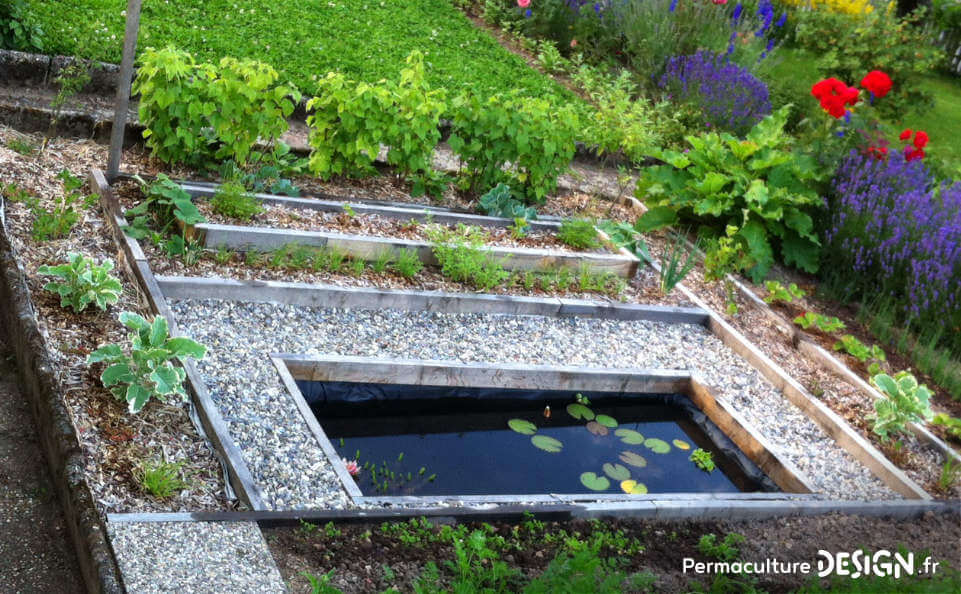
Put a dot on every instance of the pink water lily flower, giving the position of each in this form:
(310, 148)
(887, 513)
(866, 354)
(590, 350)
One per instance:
(352, 467)
(523, 3)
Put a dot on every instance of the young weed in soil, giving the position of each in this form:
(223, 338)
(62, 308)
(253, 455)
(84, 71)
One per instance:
(160, 478)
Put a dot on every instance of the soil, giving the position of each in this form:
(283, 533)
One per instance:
(359, 554)
(34, 544)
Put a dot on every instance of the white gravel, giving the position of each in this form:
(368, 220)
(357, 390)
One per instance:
(294, 473)
(194, 557)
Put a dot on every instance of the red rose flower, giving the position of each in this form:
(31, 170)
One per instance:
(834, 95)
(877, 83)
(911, 153)
(920, 139)
(906, 134)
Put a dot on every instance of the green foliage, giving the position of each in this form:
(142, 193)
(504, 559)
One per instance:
(477, 568)
(579, 234)
(676, 263)
(195, 112)
(778, 292)
(859, 350)
(165, 203)
(703, 459)
(267, 171)
(725, 550)
(18, 27)
(232, 200)
(549, 58)
(903, 402)
(533, 135)
(321, 585)
(500, 202)
(160, 478)
(462, 259)
(20, 146)
(755, 185)
(407, 263)
(950, 473)
(850, 46)
(83, 283)
(826, 324)
(350, 121)
(586, 572)
(56, 223)
(625, 235)
(147, 372)
(951, 424)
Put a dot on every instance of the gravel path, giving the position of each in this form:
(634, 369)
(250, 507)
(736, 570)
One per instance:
(194, 557)
(35, 550)
(293, 471)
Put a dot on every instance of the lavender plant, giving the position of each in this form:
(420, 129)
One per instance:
(728, 95)
(894, 232)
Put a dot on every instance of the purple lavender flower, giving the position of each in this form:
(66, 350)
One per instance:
(780, 22)
(736, 15)
(730, 97)
(673, 5)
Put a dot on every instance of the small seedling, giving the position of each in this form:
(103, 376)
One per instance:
(357, 266)
(160, 478)
(223, 255)
(380, 263)
(825, 324)
(83, 282)
(232, 200)
(778, 292)
(407, 263)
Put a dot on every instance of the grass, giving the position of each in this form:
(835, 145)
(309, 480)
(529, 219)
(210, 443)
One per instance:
(367, 40)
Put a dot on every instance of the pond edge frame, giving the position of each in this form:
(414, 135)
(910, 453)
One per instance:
(516, 376)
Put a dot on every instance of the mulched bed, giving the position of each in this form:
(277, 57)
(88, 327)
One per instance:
(358, 554)
(113, 441)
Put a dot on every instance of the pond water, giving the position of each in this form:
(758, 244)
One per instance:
(416, 440)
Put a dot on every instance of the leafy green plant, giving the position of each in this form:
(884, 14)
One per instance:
(321, 585)
(778, 292)
(500, 202)
(625, 235)
(407, 263)
(756, 186)
(461, 258)
(165, 203)
(18, 29)
(148, 371)
(232, 200)
(859, 350)
(703, 459)
(676, 263)
(350, 121)
(57, 223)
(951, 424)
(549, 58)
(950, 473)
(826, 324)
(477, 567)
(903, 402)
(535, 137)
(20, 146)
(579, 234)
(195, 112)
(725, 550)
(83, 282)
(585, 571)
(161, 478)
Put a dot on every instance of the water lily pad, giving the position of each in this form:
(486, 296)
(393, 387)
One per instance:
(629, 436)
(594, 482)
(597, 429)
(633, 458)
(617, 472)
(523, 427)
(606, 421)
(681, 444)
(658, 446)
(579, 411)
(547, 443)
(632, 487)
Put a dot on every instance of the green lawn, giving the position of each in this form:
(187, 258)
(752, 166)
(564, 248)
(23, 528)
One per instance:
(304, 39)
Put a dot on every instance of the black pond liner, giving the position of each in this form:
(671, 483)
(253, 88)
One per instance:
(465, 425)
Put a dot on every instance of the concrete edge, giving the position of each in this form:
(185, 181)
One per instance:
(58, 437)
(211, 424)
(712, 509)
(323, 295)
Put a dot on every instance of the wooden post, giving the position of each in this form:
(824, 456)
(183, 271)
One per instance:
(123, 89)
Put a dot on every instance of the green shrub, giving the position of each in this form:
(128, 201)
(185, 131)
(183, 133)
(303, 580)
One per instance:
(194, 112)
(903, 402)
(535, 137)
(350, 121)
(18, 30)
(148, 371)
(579, 234)
(462, 259)
(850, 46)
(83, 283)
(756, 186)
(232, 200)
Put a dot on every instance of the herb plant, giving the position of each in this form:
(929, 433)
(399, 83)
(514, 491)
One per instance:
(903, 402)
(83, 282)
(147, 371)
(778, 292)
(756, 185)
(579, 234)
(57, 223)
(232, 200)
(857, 349)
(951, 424)
(703, 459)
(160, 478)
(826, 324)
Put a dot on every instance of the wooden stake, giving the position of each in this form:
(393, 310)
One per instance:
(123, 89)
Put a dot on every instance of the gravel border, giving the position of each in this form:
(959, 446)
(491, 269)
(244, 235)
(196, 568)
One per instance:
(292, 470)
(187, 557)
